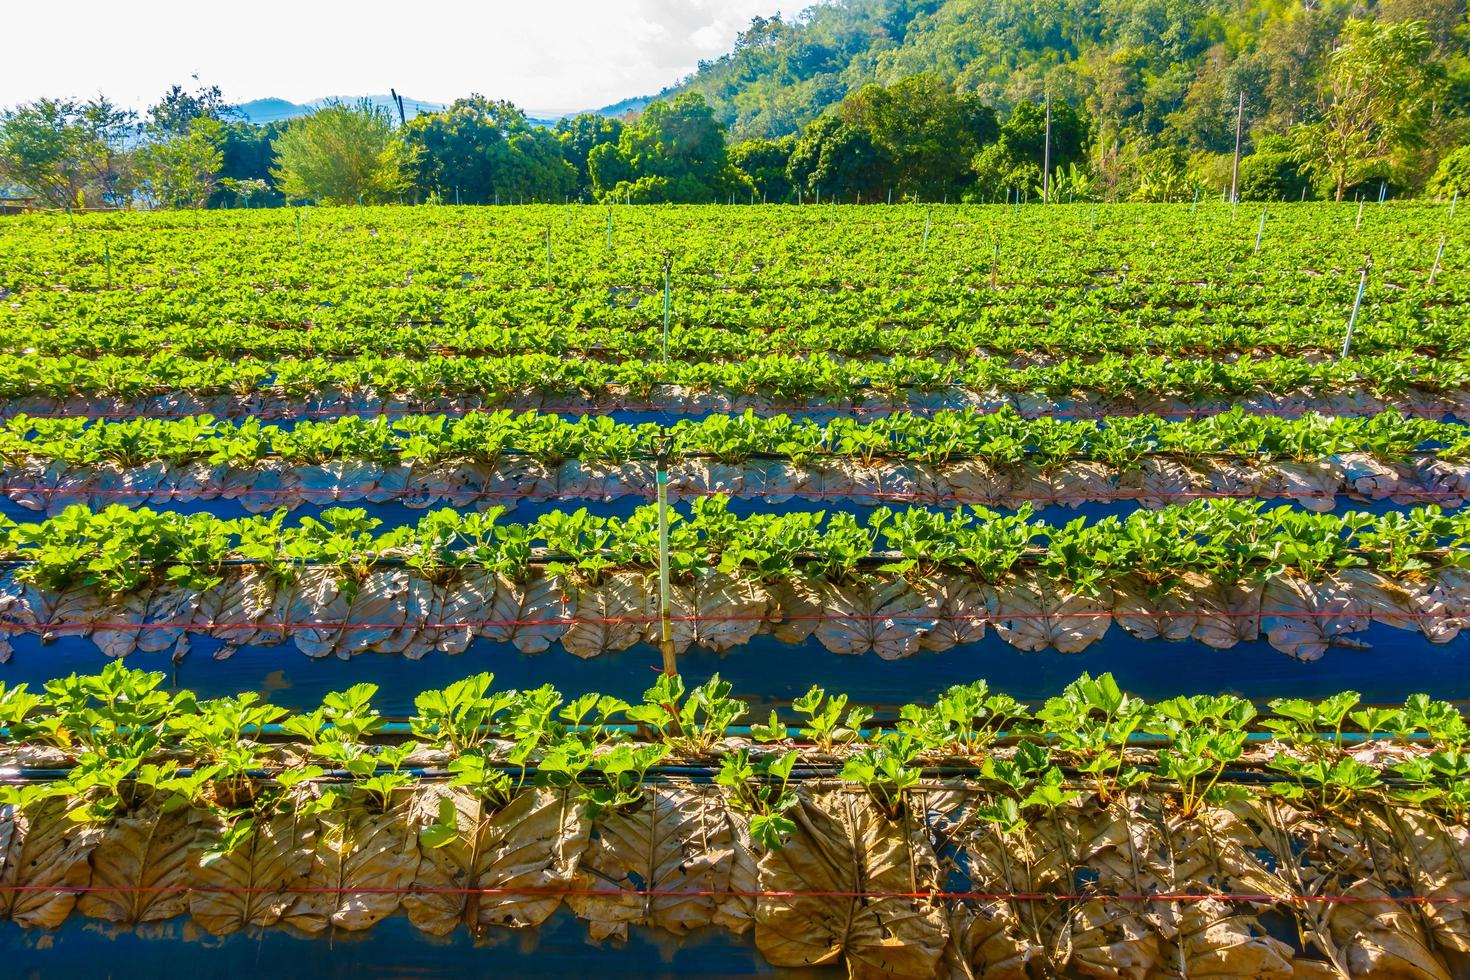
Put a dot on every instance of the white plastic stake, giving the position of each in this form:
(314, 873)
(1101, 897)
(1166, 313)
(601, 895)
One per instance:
(1453, 201)
(1347, 341)
(1259, 229)
(1195, 206)
(925, 246)
(1433, 273)
(609, 228)
(1359, 223)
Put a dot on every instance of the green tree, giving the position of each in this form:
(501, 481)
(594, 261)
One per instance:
(1013, 163)
(179, 107)
(482, 151)
(247, 158)
(763, 162)
(181, 169)
(837, 160)
(1375, 103)
(1272, 173)
(928, 131)
(341, 152)
(1452, 175)
(674, 153)
(67, 153)
(579, 136)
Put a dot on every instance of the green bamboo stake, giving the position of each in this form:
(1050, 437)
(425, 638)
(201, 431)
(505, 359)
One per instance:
(667, 265)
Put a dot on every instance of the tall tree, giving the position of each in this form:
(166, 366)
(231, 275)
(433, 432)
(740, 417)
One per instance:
(479, 151)
(182, 169)
(1375, 102)
(579, 136)
(763, 163)
(835, 159)
(675, 152)
(928, 131)
(67, 153)
(341, 152)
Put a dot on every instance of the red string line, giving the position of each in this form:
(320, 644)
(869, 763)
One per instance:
(731, 893)
(900, 496)
(266, 412)
(649, 620)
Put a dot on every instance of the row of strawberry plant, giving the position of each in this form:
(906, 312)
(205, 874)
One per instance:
(171, 806)
(121, 549)
(1083, 330)
(781, 378)
(999, 438)
(1307, 248)
(121, 731)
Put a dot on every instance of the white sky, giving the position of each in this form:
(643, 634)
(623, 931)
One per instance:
(544, 55)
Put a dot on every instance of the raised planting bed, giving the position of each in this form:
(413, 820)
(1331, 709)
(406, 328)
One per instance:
(976, 836)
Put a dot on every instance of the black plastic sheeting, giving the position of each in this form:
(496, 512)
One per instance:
(769, 673)
(392, 948)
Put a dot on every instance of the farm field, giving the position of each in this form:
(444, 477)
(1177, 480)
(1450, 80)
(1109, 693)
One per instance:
(281, 490)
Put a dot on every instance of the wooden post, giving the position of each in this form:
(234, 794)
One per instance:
(1347, 341)
(1239, 129)
(1046, 157)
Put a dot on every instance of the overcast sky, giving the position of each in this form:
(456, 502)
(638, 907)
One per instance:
(544, 55)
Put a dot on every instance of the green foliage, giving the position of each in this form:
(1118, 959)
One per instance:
(762, 164)
(481, 152)
(674, 153)
(1452, 176)
(180, 168)
(1272, 173)
(1377, 100)
(67, 153)
(342, 153)
(839, 161)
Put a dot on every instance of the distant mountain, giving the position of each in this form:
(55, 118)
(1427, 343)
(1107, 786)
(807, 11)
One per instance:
(619, 109)
(279, 110)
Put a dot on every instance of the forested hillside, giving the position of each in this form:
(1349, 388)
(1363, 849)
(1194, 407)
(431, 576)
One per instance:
(1163, 71)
